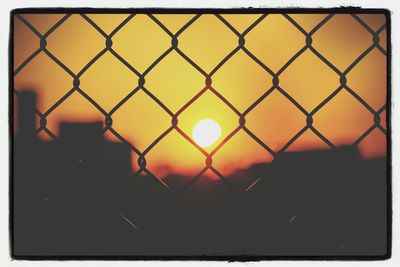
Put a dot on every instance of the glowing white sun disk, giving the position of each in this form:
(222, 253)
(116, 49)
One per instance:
(206, 132)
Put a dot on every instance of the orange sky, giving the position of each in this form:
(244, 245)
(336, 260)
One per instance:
(240, 80)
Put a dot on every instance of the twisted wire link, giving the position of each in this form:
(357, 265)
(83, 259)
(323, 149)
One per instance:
(208, 87)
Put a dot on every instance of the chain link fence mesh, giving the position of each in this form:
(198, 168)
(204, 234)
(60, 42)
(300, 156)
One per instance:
(208, 85)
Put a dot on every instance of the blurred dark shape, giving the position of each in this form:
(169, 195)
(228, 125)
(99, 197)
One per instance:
(60, 195)
(26, 115)
(79, 196)
(81, 132)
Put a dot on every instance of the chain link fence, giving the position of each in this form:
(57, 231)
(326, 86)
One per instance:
(208, 86)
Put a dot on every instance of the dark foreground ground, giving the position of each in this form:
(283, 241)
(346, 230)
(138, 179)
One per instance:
(78, 196)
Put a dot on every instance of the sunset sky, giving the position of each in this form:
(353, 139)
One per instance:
(241, 81)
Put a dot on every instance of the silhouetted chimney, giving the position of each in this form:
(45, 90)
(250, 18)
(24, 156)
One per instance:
(26, 114)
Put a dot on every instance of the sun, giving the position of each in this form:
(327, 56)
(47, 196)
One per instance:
(206, 132)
